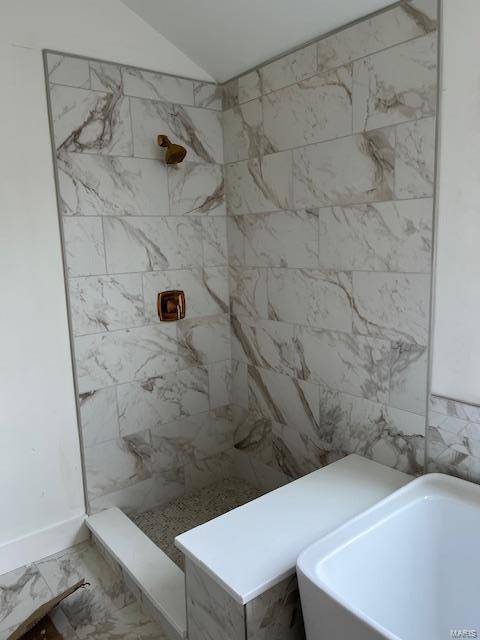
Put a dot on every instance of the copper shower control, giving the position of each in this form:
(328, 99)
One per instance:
(171, 305)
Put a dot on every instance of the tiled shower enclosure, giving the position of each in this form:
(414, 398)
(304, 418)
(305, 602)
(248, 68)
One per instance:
(307, 277)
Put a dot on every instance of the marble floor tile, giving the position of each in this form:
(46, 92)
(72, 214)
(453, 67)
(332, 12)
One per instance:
(312, 110)
(382, 236)
(129, 623)
(21, 592)
(395, 85)
(350, 170)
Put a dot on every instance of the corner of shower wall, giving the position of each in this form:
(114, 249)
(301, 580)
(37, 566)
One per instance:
(329, 167)
(153, 397)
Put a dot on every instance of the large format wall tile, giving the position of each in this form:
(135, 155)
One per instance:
(84, 248)
(312, 298)
(312, 110)
(156, 86)
(196, 188)
(392, 305)
(106, 303)
(248, 292)
(150, 244)
(99, 416)
(102, 185)
(396, 85)
(198, 130)
(208, 95)
(90, 121)
(409, 20)
(353, 364)
(147, 404)
(290, 69)
(242, 131)
(204, 340)
(385, 236)
(260, 185)
(408, 377)
(74, 72)
(281, 239)
(350, 170)
(121, 356)
(415, 159)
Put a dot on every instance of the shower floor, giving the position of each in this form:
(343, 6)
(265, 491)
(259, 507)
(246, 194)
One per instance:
(163, 524)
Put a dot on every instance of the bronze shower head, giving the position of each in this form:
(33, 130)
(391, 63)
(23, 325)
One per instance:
(175, 153)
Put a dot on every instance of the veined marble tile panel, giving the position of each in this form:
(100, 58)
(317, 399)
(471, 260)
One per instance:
(455, 409)
(106, 590)
(196, 188)
(296, 453)
(84, 247)
(73, 72)
(147, 404)
(312, 110)
(239, 383)
(106, 76)
(260, 184)
(212, 614)
(214, 236)
(248, 292)
(152, 243)
(276, 613)
(281, 239)
(260, 475)
(192, 438)
(117, 464)
(355, 425)
(291, 68)
(144, 495)
(23, 590)
(457, 430)
(206, 290)
(415, 159)
(253, 435)
(204, 340)
(198, 130)
(395, 85)
(208, 471)
(127, 622)
(392, 305)
(242, 132)
(249, 86)
(157, 86)
(220, 376)
(385, 236)
(350, 170)
(358, 365)
(207, 95)
(404, 22)
(310, 297)
(106, 303)
(104, 359)
(284, 399)
(230, 94)
(103, 185)
(266, 344)
(450, 453)
(91, 121)
(408, 377)
(99, 416)
(235, 241)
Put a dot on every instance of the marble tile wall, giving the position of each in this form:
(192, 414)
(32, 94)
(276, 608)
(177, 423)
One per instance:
(154, 397)
(329, 168)
(453, 438)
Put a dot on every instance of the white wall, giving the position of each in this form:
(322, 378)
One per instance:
(456, 344)
(40, 471)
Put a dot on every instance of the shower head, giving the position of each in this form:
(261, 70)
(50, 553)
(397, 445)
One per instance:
(175, 153)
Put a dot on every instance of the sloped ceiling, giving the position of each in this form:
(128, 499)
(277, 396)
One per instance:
(227, 37)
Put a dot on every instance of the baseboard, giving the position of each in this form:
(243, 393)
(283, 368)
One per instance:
(42, 543)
